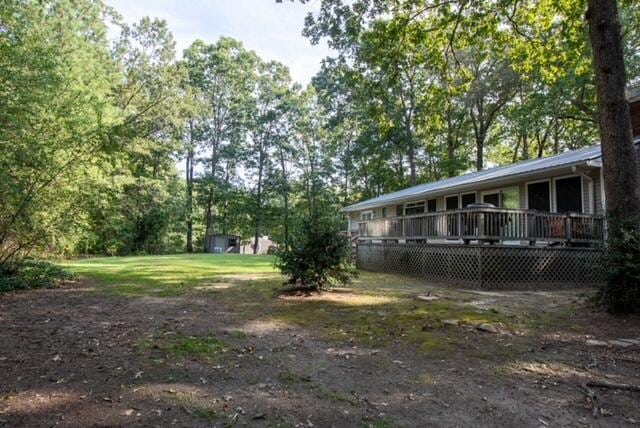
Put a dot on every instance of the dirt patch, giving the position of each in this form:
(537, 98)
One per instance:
(73, 357)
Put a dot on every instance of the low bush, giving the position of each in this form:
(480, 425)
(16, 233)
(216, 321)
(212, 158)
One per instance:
(317, 257)
(26, 274)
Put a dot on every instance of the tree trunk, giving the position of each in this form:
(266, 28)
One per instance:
(451, 171)
(210, 202)
(614, 120)
(451, 145)
(556, 138)
(225, 204)
(622, 291)
(480, 150)
(412, 164)
(208, 218)
(285, 195)
(189, 178)
(258, 202)
(347, 166)
(479, 131)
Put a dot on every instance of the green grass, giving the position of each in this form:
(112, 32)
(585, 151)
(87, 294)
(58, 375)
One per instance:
(380, 308)
(375, 310)
(174, 275)
(192, 346)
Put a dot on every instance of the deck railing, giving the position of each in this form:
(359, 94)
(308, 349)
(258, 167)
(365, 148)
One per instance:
(488, 225)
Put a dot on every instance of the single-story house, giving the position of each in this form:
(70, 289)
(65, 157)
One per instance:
(570, 182)
(526, 210)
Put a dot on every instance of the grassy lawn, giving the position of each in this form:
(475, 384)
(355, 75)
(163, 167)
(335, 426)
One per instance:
(376, 309)
(171, 275)
(208, 340)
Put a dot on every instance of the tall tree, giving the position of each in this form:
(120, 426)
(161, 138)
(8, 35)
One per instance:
(223, 73)
(614, 120)
(492, 86)
(272, 88)
(618, 157)
(56, 111)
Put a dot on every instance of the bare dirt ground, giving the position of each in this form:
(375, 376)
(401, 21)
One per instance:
(364, 356)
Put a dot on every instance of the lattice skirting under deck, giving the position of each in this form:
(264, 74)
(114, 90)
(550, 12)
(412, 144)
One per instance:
(487, 266)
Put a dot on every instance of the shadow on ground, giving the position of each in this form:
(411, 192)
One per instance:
(228, 350)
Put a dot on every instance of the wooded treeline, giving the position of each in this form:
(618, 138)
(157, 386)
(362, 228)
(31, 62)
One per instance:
(94, 133)
(124, 147)
(424, 90)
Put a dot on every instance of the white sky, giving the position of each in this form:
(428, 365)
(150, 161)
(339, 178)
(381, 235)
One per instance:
(273, 30)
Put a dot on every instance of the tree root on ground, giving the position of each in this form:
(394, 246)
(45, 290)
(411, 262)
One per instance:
(593, 398)
(586, 389)
(613, 385)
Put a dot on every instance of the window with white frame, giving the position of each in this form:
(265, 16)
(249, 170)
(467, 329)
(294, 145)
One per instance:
(539, 196)
(468, 199)
(504, 198)
(452, 202)
(366, 215)
(569, 194)
(414, 208)
(510, 198)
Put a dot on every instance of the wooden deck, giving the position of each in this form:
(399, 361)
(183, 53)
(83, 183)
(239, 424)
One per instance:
(487, 225)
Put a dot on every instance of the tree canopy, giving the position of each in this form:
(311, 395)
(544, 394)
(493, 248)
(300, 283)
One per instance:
(125, 146)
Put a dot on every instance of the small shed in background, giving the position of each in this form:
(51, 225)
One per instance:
(219, 243)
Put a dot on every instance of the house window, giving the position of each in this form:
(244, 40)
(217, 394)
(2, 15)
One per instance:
(414, 208)
(505, 198)
(510, 198)
(451, 202)
(384, 212)
(538, 196)
(491, 198)
(399, 210)
(431, 205)
(468, 199)
(569, 195)
(366, 216)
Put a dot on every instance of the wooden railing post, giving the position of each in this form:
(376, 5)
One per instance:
(488, 224)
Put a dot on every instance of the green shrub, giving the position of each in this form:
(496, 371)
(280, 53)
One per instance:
(25, 274)
(621, 293)
(318, 257)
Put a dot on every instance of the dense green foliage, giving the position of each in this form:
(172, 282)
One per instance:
(28, 274)
(622, 292)
(89, 141)
(93, 130)
(317, 257)
(414, 93)
(422, 90)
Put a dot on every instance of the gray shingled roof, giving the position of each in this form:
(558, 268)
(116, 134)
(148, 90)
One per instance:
(573, 157)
